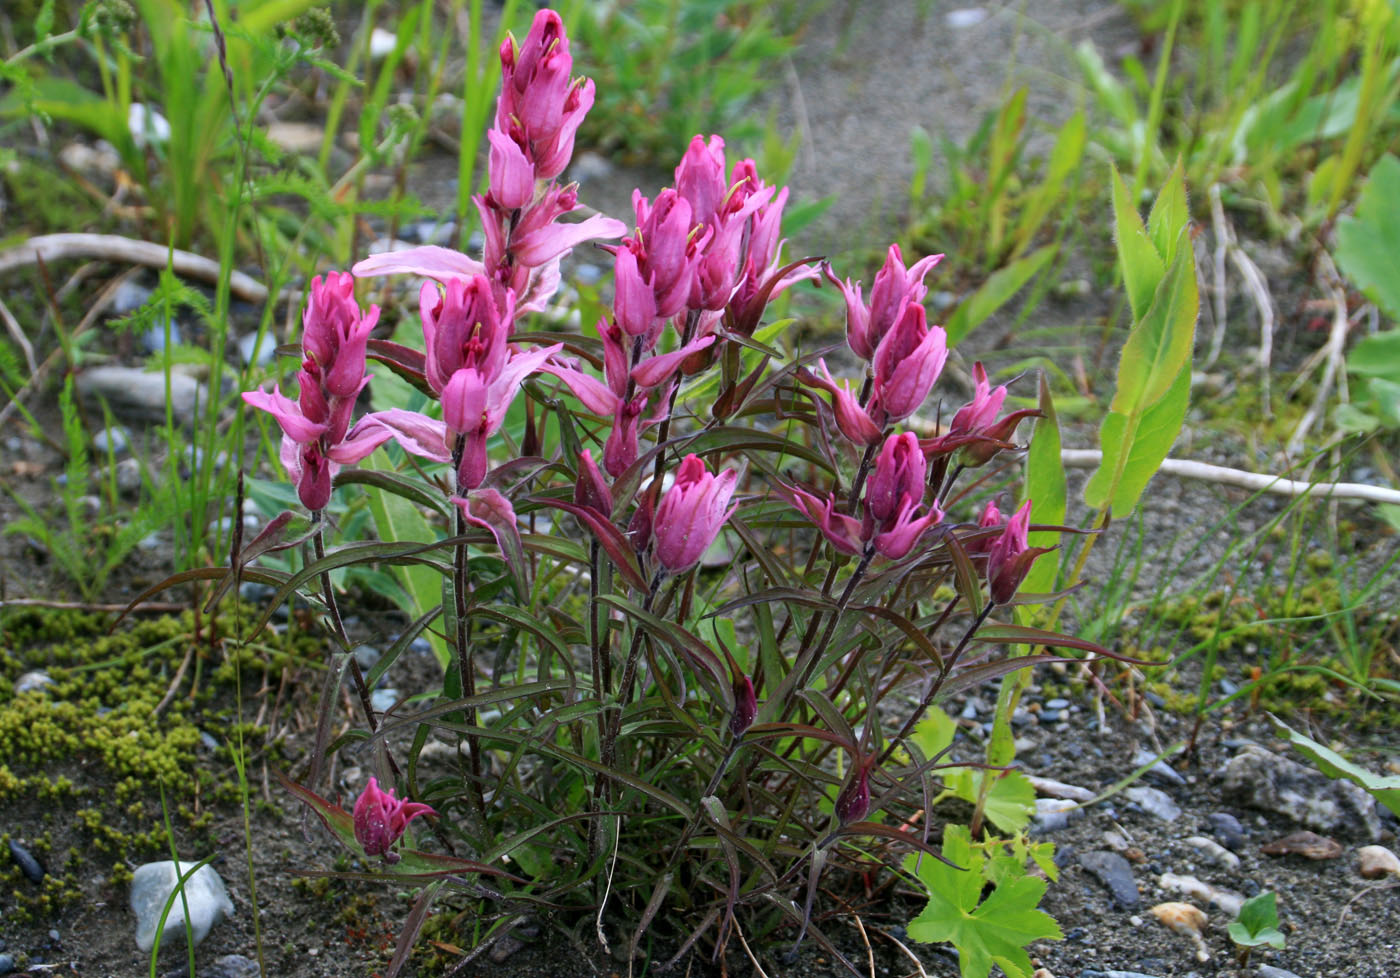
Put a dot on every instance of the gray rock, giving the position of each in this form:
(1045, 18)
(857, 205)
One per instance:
(7, 964)
(1264, 780)
(153, 340)
(1154, 802)
(367, 656)
(232, 966)
(384, 699)
(32, 681)
(965, 17)
(1160, 771)
(251, 351)
(1091, 973)
(1115, 873)
(128, 476)
(1054, 814)
(1269, 971)
(27, 864)
(1059, 789)
(152, 885)
(1228, 830)
(137, 395)
(1058, 703)
(130, 295)
(113, 439)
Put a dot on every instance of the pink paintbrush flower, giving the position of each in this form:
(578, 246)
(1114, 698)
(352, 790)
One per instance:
(907, 364)
(1010, 556)
(381, 819)
(690, 514)
(900, 471)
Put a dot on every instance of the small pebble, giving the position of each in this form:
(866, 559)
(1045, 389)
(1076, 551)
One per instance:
(1377, 862)
(1186, 920)
(1054, 814)
(1160, 771)
(1307, 844)
(232, 966)
(32, 681)
(28, 865)
(1154, 802)
(1059, 789)
(1215, 853)
(965, 17)
(1114, 872)
(1228, 830)
(1058, 703)
(1269, 971)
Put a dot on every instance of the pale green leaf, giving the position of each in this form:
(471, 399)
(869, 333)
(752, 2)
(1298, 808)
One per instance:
(1368, 245)
(1169, 215)
(1134, 450)
(1385, 788)
(996, 292)
(986, 933)
(1138, 258)
(1047, 487)
(1160, 344)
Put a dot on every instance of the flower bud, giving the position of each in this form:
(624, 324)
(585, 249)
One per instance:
(900, 470)
(690, 515)
(853, 803)
(745, 706)
(591, 489)
(380, 820)
(1010, 556)
(907, 364)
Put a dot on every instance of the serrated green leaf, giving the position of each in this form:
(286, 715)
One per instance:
(1368, 245)
(991, 933)
(1010, 800)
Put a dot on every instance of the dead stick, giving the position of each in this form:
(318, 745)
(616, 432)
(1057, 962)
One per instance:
(49, 248)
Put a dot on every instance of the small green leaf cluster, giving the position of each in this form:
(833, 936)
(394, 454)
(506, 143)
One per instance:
(992, 931)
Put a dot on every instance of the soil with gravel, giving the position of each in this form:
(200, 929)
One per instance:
(864, 74)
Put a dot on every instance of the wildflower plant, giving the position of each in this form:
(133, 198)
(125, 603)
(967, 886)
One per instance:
(700, 597)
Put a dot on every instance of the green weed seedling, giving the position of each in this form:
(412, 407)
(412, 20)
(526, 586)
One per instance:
(1256, 926)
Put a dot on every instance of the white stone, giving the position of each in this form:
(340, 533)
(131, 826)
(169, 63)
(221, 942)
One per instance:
(152, 885)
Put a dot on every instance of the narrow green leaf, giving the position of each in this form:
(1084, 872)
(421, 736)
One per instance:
(1047, 488)
(996, 292)
(1133, 452)
(1169, 215)
(1160, 343)
(1138, 258)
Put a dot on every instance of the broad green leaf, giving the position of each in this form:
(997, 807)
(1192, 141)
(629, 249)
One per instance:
(1160, 342)
(1047, 488)
(1257, 922)
(1010, 800)
(1138, 258)
(934, 732)
(1385, 788)
(396, 519)
(1133, 452)
(986, 933)
(1368, 245)
(1378, 355)
(1169, 215)
(996, 292)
